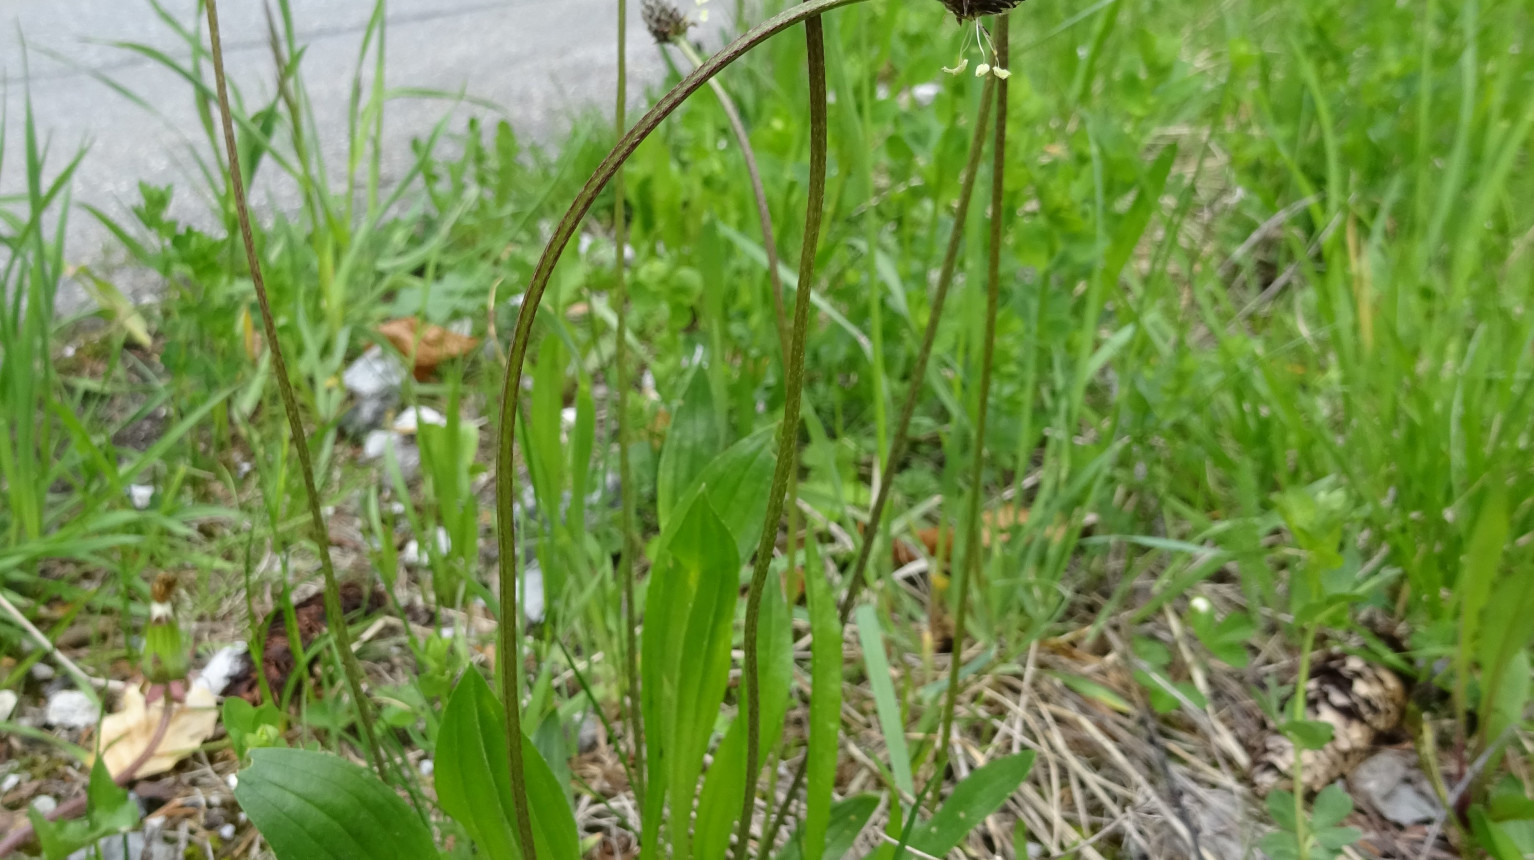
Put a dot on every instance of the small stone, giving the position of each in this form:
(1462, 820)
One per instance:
(43, 672)
(411, 554)
(7, 703)
(9, 783)
(1395, 787)
(530, 593)
(71, 709)
(368, 414)
(589, 735)
(226, 832)
(412, 418)
(377, 443)
(44, 804)
(140, 495)
(374, 373)
(427, 767)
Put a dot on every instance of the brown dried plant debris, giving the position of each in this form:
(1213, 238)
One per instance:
(429, 345)
(277, 658)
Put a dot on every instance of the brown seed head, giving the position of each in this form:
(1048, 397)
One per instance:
(664, 21)
(966, 10)
(164, 587)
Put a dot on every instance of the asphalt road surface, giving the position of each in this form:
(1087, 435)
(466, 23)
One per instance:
(539, 61)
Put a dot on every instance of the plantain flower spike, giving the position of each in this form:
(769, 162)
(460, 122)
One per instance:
(165, 651)
(970, 12)
(665, 22)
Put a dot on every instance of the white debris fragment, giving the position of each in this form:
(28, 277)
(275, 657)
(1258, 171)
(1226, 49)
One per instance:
(7, 703)
(411, 419)
(140, 495)
(71, 709)
(530, 593)
(222, 667)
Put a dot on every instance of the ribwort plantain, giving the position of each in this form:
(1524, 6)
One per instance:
(971, 11)
(966, 10)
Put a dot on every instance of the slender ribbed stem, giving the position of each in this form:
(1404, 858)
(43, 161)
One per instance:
(969, 568)
(788, 431)
(857, 579)
(333, 613)
(625, 474)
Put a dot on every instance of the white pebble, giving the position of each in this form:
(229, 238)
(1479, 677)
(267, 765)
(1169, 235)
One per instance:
(377, 443)
(7, 703)
(428, 767)
(71, 709)
(411, 419)
(226, 832)
(140, 495)
(44, 804)
(9, 783)
(925, 94)
(42, 671)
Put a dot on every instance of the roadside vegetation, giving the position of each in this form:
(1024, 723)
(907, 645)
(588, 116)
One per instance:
(1118, 448)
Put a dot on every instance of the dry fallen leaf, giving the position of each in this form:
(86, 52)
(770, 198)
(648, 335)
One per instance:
(126, 733)
(430, 345)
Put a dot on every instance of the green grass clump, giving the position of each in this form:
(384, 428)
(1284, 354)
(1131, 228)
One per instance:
(1245, 315)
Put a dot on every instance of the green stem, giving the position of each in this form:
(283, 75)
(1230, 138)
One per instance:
(969, 569)
(625, 473)
(333, 613)
(788, 431)
(919, 372)
(759, 191)
(516, 358)
(1297, 713)
(898, 442)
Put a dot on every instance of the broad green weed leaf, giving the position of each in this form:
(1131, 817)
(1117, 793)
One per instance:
(315, 806)
(736, 485)
(110, 811)
(1483, 557)
(1308, 734)
(977, 797)
(825, 704)
(720, 804)
(1281, 809)
(689, 614)
(1331, 806)
(891, 721)
(474, 787)
(693, 440)
(847, 820)
(250, 727)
